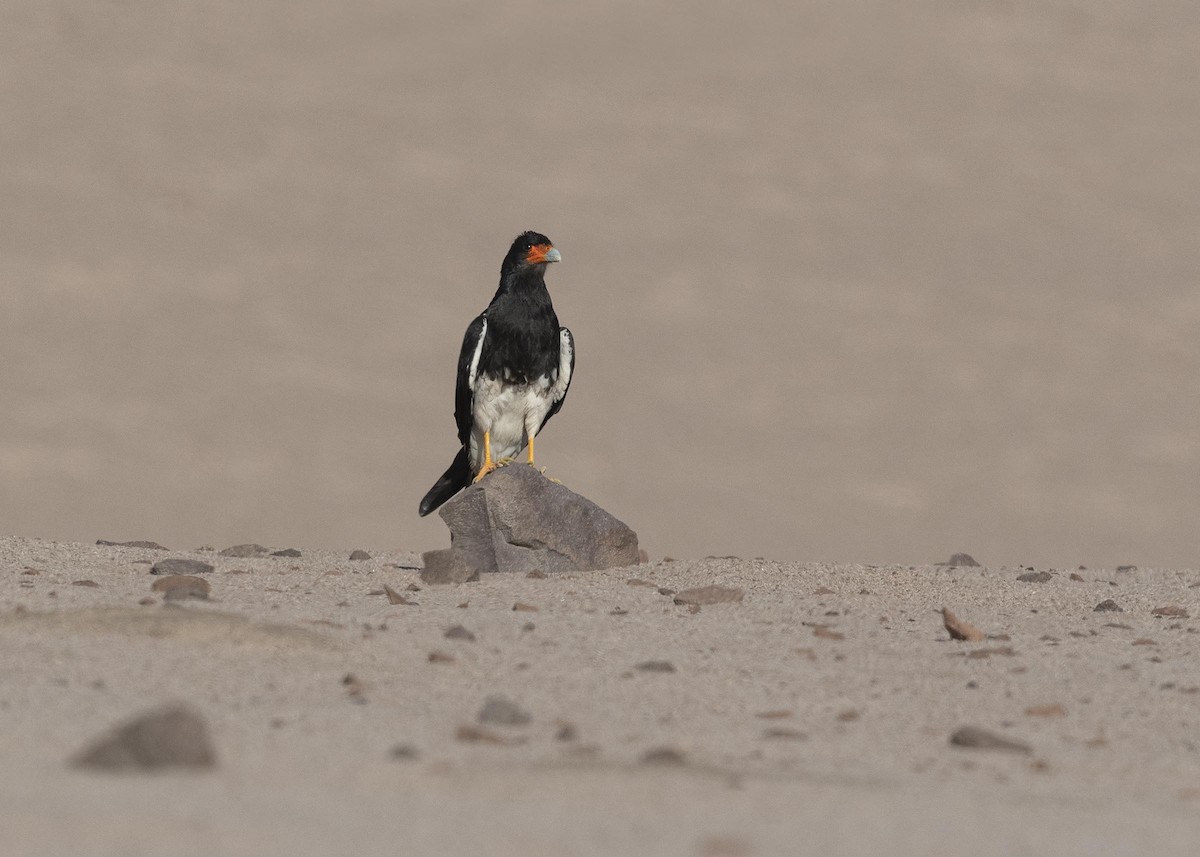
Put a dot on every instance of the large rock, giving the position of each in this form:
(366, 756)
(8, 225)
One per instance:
(518, 520)
(171, 737)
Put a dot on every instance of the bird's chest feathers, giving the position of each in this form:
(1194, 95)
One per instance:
(509, 412)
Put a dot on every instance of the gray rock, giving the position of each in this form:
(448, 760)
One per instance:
(244, 551)
(503, 712)
(179, 587)
(287, 552)
(517, 520)
(170, 737)
(358, 556)
(180, 566)
(961, 560)
(1108, 606)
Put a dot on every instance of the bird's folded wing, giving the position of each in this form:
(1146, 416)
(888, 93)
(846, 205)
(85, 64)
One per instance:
(468, 366)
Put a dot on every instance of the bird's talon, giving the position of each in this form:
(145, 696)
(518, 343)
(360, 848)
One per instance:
(482, 473)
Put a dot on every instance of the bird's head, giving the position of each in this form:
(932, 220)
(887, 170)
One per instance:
(531, 249)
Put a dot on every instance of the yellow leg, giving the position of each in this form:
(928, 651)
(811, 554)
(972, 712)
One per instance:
(488, 464)
(531, 450)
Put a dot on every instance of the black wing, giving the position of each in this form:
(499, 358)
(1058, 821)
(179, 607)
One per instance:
(566, 360)
(464, 389)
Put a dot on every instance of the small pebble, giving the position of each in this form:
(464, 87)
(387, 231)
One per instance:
(503, 712)
(656, 667)
(663, 756)
(972, 737)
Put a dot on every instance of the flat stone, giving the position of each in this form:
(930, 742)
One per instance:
(177, 587)
(291, 553)
(664, 756)
(517, 520)
(180, 566)
(656, 667)
(1173, 611)
(244, 551)
(1035, 577)
(154, 546)
(710, 595)
(972, 737)
(170, 737)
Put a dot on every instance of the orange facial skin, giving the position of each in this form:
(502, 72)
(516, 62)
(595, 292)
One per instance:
(537, 253)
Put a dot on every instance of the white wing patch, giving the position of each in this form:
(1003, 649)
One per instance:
(474, 370)
(566, 355)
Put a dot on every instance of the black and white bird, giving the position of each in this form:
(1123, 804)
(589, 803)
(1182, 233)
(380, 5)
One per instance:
(513, 371)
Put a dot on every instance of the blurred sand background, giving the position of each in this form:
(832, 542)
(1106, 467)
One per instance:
(866, 284)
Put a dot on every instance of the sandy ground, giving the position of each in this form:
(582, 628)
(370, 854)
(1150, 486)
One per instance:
(812, 717)
(871, 285)
(866, 284)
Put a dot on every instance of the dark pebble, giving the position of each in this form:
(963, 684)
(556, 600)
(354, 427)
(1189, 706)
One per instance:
(566, 732)
(663, 756)
(785, 733)
(288, 552)
(403, 752)
(503, 712)
(1035, 577)
(458, 632)
(972, 737)
(358, 555)
(656, 667)
(1107, 606)
(91, 584)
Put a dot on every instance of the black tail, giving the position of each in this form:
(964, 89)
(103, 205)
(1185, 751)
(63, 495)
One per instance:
(456, 478)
